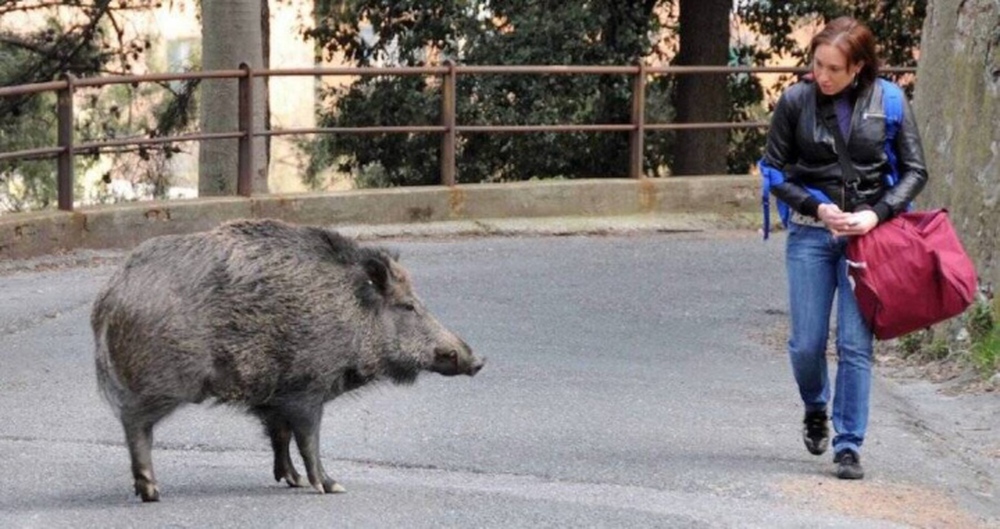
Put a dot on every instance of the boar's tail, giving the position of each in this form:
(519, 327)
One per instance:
(107, 379)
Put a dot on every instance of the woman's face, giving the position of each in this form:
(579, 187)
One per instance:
(832, 70)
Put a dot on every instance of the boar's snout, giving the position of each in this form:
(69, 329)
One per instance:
(457, 360)
(476, 366)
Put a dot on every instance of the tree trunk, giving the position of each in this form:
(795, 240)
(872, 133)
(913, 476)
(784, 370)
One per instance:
(704, 41)
(957, 104)
(232, 33)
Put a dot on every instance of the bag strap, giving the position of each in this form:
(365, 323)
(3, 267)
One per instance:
(851, 176)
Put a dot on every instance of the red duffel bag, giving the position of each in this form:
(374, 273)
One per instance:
(910, 273)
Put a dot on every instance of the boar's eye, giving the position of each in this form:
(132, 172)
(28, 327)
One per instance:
(407, 306)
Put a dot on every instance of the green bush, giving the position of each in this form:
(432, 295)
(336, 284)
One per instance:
(986, 354)
(911, 344)
(984, 334)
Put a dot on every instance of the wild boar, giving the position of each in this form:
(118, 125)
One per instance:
(271, 317)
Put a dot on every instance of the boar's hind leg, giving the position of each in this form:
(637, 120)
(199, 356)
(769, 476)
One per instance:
(138, 425)
(280, 433)
(305, 426)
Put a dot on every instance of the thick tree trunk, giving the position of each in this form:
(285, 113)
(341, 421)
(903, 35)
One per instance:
(704, 41)
(231, 34)
(957, 104)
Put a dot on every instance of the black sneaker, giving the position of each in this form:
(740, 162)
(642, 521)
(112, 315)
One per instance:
(848, 465)
(815, 432)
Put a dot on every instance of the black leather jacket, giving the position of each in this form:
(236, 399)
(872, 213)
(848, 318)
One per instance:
(801, 145)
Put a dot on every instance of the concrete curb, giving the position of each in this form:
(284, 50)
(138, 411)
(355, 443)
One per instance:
(668, 204)
(549, 226)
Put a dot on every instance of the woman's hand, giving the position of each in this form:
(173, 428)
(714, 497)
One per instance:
(832, 217)
(842, 224)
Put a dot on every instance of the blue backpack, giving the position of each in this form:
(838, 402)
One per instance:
(892, 106)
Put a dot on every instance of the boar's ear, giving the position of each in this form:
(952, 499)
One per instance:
(377, 269)
(334, 245)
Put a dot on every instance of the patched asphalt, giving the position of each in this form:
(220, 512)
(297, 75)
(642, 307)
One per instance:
(632, 381)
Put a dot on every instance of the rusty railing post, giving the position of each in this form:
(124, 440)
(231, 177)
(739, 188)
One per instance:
(448, 89)
(635, 140)
(64, 164)
(245, 168)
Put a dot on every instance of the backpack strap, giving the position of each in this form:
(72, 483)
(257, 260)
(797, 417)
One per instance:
(892, 106)
(772, 176)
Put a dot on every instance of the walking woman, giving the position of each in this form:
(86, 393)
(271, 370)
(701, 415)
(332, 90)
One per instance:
(832, 198)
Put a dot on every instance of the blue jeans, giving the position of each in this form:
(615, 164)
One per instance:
(817, 269)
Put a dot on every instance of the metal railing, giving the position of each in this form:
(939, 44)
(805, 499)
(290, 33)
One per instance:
(449, 129)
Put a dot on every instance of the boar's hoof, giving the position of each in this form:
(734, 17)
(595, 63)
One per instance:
(330, 486)
(147, 491)
(294, 481)
(291, 477)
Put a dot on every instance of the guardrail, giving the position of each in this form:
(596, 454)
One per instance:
(449, 128)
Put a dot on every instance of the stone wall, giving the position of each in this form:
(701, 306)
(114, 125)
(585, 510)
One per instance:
(122, 226)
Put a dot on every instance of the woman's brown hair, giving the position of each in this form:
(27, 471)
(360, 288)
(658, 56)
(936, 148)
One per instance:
(855, 41)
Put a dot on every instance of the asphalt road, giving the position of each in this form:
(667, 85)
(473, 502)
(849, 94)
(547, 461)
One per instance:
(632, 381)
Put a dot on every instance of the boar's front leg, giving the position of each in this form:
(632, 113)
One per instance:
(305, 423)
(280, 433)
